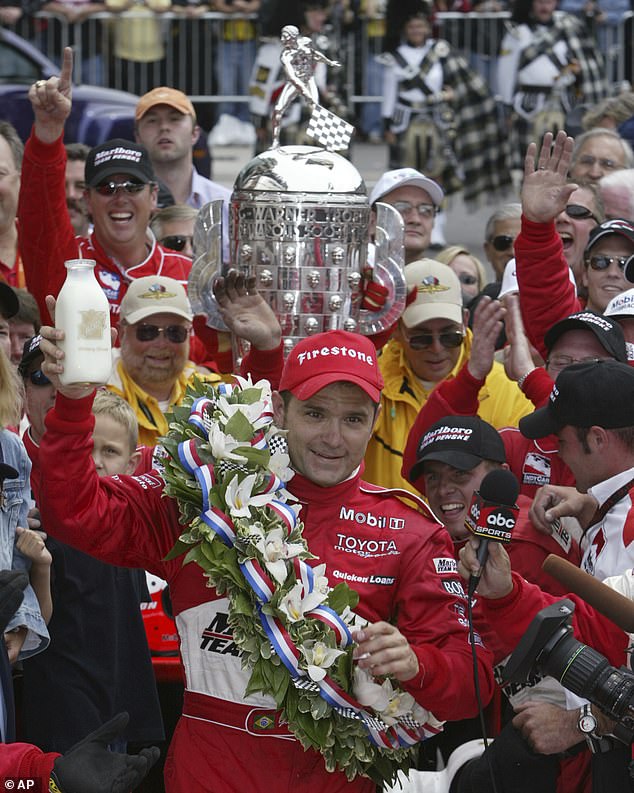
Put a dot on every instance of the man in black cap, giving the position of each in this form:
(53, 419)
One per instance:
(121, 195)
(591, 411)
(452, 459)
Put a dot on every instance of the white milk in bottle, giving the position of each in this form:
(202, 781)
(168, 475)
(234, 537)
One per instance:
(83, 313)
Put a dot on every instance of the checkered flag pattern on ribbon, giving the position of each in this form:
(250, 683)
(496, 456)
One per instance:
(278, 444)
(330, 131)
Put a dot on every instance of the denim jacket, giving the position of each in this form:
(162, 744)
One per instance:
(14, 507)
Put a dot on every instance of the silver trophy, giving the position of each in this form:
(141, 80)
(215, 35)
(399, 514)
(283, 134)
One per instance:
(299, 223)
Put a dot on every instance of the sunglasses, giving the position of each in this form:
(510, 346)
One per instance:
(502, 242)
(450, 340)
(110, 188)
(577, 212)
(176, 242)
(426, 210)
(177, 334)
(599, 262)
(39, 378)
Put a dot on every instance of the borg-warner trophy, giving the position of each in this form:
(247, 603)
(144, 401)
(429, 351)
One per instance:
(299, 222)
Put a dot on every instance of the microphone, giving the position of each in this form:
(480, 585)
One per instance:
(612, 604)
(492, 514)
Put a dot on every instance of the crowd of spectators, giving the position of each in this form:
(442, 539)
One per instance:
(530, 372)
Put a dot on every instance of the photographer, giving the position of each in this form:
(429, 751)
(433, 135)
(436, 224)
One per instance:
(509, 604)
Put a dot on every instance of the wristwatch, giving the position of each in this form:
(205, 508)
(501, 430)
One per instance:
(587, 723)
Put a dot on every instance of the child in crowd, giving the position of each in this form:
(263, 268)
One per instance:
(98, 662)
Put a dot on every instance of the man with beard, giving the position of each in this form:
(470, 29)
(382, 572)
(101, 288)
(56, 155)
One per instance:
(152, 368)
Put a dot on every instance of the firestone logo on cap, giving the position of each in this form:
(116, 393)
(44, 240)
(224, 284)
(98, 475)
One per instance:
(446, 433)
(324, 351)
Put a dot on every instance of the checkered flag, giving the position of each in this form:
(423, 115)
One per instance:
(278, 444)
(330, 131)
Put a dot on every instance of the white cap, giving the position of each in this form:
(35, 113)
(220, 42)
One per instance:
(622, 305)
(510, 285)
(154, 294)
(405, 176)
(509, 280)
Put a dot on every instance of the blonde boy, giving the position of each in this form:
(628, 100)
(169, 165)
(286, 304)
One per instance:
(115, 435)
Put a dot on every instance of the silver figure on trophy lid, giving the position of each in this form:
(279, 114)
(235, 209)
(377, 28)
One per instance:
(300, 219)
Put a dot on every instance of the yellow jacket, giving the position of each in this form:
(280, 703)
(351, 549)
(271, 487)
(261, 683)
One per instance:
(152, 423)
(502, 404)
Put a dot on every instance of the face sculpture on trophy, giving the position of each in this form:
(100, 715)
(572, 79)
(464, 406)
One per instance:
(299, 223)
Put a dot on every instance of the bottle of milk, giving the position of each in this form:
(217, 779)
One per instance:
(83, 313)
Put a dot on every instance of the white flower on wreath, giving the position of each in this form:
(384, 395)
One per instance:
(240, 499)
(320, 581)
(263, 385)
(279, 464)
(295, 606)
(319, 657)
(368, 692)
(252, 413)
(223, 445)
(275, 550)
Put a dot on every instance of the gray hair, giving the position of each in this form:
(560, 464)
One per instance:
(505, 212)
(597, 132)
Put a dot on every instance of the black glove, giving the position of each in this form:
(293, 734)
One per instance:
(88, 767)
(12, 586)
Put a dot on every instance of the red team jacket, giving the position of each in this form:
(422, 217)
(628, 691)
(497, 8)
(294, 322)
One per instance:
(399, 561)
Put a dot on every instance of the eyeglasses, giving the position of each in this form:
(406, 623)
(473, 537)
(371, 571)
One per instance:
(502, 242)
(562, 361)
(426, 210)
(39, 378)
(450, 339)
(608, 165)
(578, 212)
(176, 242)
(599, 262)
(110, 188)
(177, 334)
(467, 280)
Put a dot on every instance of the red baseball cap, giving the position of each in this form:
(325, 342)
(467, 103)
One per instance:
(331, 357)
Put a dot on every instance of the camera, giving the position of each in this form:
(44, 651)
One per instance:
(550, 647)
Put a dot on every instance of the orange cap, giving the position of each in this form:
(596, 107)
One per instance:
(164, 96)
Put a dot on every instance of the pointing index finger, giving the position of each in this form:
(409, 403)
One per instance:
(66, 74)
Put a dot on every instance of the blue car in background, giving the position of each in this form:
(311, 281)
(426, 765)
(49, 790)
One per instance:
(98, 114)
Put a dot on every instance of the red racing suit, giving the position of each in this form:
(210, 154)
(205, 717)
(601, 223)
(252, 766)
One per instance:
(47, 238)
(544, 282)
(400, 562)
(25, 761)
